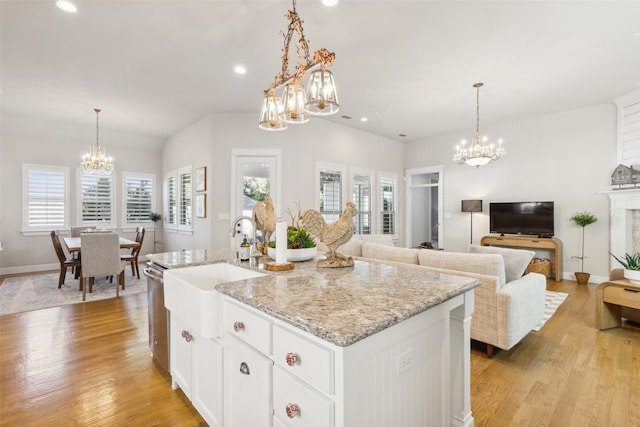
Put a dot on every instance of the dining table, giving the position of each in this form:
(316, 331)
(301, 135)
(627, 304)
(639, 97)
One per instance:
(74, 244)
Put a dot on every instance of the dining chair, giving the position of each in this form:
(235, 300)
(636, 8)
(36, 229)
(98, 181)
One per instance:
(133, 256)
(65, 262)
(100, 256)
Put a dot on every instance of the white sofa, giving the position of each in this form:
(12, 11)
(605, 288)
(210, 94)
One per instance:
(508, 305)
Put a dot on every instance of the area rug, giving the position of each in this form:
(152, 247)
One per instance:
(34, 292)
(552, 301)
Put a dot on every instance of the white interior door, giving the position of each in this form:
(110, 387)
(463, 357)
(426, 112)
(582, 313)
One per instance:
(255, 174)
(424, 206)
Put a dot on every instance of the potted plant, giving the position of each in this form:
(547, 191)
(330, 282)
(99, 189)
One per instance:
(155, 217)
(631, 264)
(582, 219)
(300, 245)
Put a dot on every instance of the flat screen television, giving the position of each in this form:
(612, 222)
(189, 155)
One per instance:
(528, 218)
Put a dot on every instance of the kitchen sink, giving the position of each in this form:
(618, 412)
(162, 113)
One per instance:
(190, 295)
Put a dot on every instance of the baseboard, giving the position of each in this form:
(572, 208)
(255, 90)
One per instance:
(29, 269)
(593, 279)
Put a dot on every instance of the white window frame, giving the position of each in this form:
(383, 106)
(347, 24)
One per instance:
(333, 215)
(102, 224)
(380, 223)
(146, 222)
(178, 227)
(372, 201)
(32, 230)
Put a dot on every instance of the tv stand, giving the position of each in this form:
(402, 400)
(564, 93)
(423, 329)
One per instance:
(550, 243)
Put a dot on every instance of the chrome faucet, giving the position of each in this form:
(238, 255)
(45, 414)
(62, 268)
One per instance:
(232, 233)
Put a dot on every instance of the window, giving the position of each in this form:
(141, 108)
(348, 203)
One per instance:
(361, 195)
(96, 200)
(45, 198)
(330, 183)
(138, 198)
(387, 191)
(178, 215)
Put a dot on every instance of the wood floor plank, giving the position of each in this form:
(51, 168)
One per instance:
(89, 364)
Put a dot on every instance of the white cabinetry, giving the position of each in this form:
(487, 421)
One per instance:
(412, 374)
(196, 368)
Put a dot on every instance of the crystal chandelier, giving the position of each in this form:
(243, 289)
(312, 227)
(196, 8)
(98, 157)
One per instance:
(297, 105)
(96, 162)
(479, 153)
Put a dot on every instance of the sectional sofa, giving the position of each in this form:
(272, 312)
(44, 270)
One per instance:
(508, 303)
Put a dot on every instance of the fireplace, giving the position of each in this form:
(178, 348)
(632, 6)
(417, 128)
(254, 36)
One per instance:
(625, 221)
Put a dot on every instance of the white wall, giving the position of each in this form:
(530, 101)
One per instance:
(566, 158)
(28, 140)
(209, 142)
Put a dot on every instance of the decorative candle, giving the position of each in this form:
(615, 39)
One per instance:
(281, 242)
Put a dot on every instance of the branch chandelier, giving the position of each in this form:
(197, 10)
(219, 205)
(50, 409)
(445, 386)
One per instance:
(96, 162)
(479, 154)
(295, 106)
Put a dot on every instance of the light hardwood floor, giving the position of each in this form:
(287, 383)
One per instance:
(89, 364)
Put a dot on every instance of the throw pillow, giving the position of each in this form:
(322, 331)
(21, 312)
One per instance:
(515, 260)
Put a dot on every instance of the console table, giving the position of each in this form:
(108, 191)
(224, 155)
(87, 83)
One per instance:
(552, 244)
(610, 297)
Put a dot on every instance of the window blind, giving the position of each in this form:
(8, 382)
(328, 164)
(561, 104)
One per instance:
(172, 200)
(46, 197)
(361, 193)
(330, 195)
(387, 186)
(185, 198)
(139, 199)
(96, 199)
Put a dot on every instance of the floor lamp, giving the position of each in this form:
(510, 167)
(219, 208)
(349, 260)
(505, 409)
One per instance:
(472, 206)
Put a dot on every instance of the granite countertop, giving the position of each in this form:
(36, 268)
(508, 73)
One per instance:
(345, 305)
(189, 258)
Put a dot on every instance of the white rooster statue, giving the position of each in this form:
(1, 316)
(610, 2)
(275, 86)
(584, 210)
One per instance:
(333, 235)
(265, 218)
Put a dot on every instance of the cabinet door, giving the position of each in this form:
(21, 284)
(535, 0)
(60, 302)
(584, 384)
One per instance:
(207, 379)
(247, 385)
(180, 360)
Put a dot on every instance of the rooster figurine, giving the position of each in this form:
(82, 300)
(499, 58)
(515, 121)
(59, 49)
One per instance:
(265, 219)
(333, 235)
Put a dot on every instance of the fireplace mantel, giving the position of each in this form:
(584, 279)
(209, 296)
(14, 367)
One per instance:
(623, 203)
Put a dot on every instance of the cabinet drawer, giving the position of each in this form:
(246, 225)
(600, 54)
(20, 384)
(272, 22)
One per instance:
(621, 296)
(306, 359)
(248, 326)
(315, 409)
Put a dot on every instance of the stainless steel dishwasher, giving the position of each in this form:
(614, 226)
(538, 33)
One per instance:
(158, 315)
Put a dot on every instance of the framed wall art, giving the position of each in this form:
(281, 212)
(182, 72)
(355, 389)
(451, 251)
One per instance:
(201, 205)
(201, 179)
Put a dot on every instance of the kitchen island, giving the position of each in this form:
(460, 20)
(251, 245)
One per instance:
(370, 345)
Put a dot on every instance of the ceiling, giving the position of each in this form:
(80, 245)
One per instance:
(155, 67)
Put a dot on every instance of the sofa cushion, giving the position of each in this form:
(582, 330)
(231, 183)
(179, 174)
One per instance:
(389, 253)
(352, 248)
(487, 264)
(515, 260)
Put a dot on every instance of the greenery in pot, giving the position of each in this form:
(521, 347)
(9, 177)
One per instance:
(297, 238)
(583, 219)
(155, 217)
(630, 262)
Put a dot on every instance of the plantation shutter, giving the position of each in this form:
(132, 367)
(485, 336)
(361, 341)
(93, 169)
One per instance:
(172, 200)
(185, 198)
(96, 199)
(46, 198)
(330, 195)
(139, 199)
(361, 189)
(387, 188)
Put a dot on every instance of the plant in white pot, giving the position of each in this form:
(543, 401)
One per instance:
(631, 264)
(582, 219)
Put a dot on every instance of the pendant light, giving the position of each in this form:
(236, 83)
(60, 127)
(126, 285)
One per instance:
(96, 161)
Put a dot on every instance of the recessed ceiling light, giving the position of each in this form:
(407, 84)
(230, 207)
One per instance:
(329, 3)
(67, 6)
(364, 119)
(240, 69)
